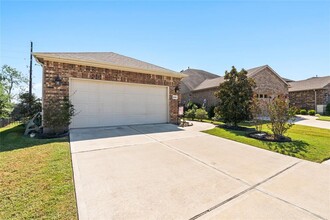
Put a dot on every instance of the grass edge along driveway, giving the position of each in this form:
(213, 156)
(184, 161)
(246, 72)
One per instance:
(36, 179)
(308, 143)
(324, 118)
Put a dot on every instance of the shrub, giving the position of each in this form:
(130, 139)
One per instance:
(192, 105)
(281, 116)
(58, 114)
(303, 111)
(311, 112)
(327, 109)
(27, 107)
(190, 113)
(210, 112)
(201, 114)
(216, 117)
(296, 110)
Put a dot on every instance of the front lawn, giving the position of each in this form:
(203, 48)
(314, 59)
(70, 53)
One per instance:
(323, 118)
(35, 177)
(308, 143)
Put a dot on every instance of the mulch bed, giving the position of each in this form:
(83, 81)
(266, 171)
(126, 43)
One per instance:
(50, 136)
(252, 133)
(235, 128)
(263, 136)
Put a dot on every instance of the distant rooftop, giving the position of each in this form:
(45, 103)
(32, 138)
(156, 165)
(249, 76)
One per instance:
(309, 84)
(211, 83)
(196, 77)
(287, 80)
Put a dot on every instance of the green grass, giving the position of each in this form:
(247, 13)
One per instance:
(35, 177)
(323, 118)
(308, 143)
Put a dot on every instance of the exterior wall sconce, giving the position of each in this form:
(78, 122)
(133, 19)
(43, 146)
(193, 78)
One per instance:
(176, 90)
(58, 80)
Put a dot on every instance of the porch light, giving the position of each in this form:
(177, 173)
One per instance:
(176, 90)
(58, 80)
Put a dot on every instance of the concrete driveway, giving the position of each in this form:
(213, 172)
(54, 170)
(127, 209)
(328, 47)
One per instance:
(165, 172)
(311, 121)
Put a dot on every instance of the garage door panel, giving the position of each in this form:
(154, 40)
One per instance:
(100, 103)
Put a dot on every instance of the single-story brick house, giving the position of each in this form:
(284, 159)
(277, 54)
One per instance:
(312, 93)
(268, 84)
(194, 78)
(108, 89)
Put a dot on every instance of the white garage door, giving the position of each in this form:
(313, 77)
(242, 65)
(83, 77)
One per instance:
(102, 103)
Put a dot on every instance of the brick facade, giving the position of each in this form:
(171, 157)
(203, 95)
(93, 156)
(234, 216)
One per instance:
(207, 94)
(267, 83)
(306, 99)
(53, 69)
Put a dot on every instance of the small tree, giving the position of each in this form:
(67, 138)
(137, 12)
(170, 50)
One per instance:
(281, 116)
(4, 103)
(58, 114)
(258, 109)
(201, 114)
(10, 78)
(191, 112)
(235, 97)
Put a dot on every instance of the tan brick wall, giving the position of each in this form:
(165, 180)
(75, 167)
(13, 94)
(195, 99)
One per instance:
(65, 71)
(269, 84)
(266, 82)
(306, 99)
(199, 96)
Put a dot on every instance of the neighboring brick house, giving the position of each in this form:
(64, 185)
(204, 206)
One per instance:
(193, 79)
(312, 93)
(109, 89)
(268, 84)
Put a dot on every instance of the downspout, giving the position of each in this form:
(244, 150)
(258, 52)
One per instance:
(315, 100)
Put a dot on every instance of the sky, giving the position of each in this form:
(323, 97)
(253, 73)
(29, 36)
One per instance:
(293, 37)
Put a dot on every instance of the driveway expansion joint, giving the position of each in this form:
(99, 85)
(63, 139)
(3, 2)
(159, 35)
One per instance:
(238, 179)
(243, 192)
(306, 210)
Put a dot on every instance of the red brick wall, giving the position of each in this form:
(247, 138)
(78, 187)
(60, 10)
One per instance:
(65, 71)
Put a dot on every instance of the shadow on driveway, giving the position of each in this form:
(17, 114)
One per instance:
(81, 134)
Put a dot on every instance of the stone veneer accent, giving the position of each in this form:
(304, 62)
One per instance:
(266, 83)
(65, 71)
(306, 99)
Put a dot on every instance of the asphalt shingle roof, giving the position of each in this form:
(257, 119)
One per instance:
(309, 84)
(109, 58)
(211, 83)
(287, 80)
(196, 77)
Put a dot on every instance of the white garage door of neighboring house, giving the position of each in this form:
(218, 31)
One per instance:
(103, 103)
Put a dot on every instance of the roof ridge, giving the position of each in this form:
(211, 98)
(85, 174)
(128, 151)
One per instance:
(108, 59)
